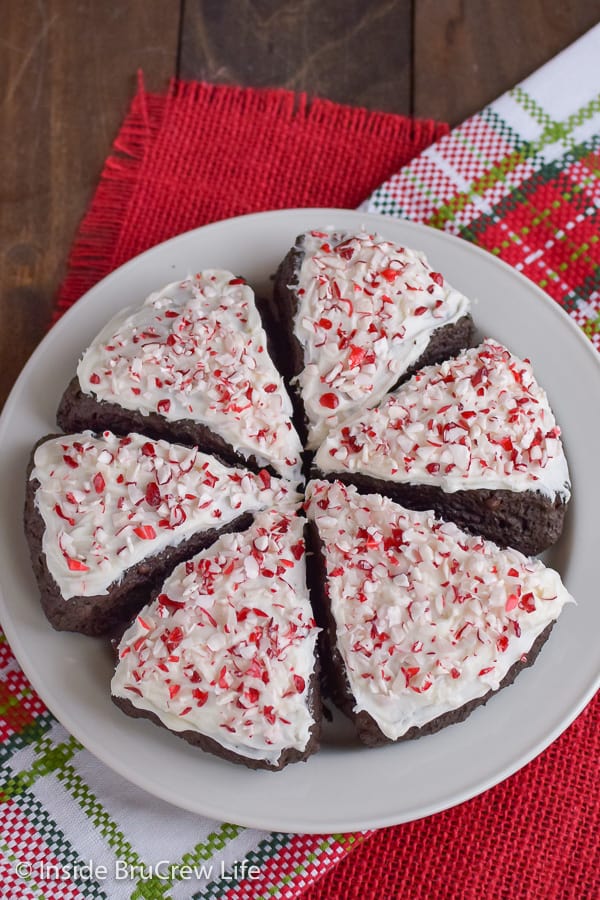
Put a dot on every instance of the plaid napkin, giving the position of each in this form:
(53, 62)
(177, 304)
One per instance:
(521, 179)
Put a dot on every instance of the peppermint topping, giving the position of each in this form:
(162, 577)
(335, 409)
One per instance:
(109, 502)
(480, 420)
(197, 350)
(227, 648)
(427, 617)
(366, 310)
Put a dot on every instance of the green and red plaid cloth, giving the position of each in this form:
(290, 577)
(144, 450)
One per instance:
(521, 178)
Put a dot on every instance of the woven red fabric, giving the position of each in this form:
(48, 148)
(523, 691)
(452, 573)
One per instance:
(207, 152)
(533, 837)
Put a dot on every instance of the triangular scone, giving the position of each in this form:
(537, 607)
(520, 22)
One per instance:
(107, 518)
(423, 621)
(190, 365)
(225, 655)
(473, 438)
(362, 313)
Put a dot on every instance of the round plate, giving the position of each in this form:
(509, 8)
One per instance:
(345, 786)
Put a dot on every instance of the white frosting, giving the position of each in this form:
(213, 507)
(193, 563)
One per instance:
(228, 648)
(197, 350)
(480, 420)
(427, 617)
(366, 311)
(109, 502)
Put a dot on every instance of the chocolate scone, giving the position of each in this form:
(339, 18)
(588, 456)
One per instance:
(358, 315)
(422, 622)
(224, 656)
(191, 365)
(107, 518)
(472, 438)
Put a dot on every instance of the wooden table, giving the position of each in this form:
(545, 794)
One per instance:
(68, 70)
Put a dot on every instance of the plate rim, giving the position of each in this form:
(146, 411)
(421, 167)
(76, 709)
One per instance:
(256, 819)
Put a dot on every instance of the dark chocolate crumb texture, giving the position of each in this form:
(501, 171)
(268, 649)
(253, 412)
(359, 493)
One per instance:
(107, 515)
(421, 619)
(225, 655)
(361, 314)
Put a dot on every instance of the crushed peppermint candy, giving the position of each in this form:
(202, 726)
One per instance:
(108, 502)
(427, 616)
(196, 350)
(479, 420)
(365, 313)
(228, 646)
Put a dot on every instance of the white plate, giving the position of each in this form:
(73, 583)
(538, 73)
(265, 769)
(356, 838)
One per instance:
(344, 787)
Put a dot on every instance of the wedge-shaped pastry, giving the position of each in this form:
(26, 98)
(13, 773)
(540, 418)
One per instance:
(225, 655)
(107, 518)
(361, 314)
(473, 438)
(190, 365)
(423, 621)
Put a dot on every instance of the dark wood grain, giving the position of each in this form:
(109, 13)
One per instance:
(468, 52)
(67, 75)
(347, 50)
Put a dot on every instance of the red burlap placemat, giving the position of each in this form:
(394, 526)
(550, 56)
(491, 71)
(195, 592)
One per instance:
(533, 837)
(205, 153)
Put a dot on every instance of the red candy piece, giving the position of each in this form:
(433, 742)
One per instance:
(145, 532)
(61, 515)
(265, 478)
(527, 602)
(173, 605)
(409, 673)
(298, 550)
(75, 565)
(511, 602)
(357, 354)
(153, 497)
(99, 483)
(329, 401)
(299, 683)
